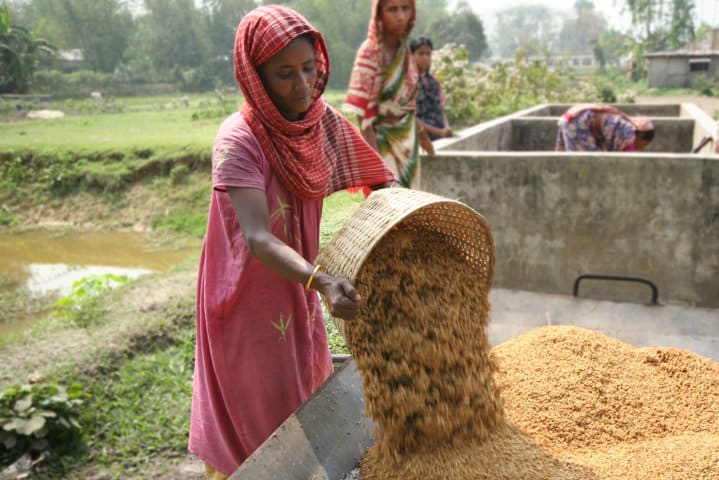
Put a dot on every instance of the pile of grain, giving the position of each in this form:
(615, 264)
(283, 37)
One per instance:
(624, 412)
(422, 348)
(577, 404)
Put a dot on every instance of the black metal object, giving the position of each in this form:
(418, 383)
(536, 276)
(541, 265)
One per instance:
(621, 278)
(703, 142)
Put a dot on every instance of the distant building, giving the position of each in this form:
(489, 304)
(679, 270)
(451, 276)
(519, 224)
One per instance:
(577, 62)
(680, 68)
(69, 60)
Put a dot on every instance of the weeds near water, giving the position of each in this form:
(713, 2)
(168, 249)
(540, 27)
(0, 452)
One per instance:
(18, 304)
(84, 305)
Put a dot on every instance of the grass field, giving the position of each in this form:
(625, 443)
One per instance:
(160, 121)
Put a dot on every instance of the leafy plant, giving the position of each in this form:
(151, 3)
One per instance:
(6, 218)
(19, 53)
(83, 305)
(39, 418)
(475, 93)
(704, 84)
(335, 339)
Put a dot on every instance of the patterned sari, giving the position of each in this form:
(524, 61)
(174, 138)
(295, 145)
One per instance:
(384, 96)
(598, 127)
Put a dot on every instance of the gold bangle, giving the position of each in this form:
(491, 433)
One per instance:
(318, 267)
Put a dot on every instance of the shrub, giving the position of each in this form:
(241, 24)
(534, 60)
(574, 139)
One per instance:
(475, 93)
(703, 84)
(83, 305)
(39, 418)
(81, 83)
(179, 174)
(6, 218)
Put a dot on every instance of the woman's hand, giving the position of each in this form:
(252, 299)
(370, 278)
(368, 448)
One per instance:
(446, 133)
(341, 297)
(424, 141)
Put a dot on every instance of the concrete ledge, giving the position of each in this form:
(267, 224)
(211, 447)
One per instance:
(673, 135)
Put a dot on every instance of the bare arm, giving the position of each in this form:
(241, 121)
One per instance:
(437, 132)
(250, 206)
(445, 122)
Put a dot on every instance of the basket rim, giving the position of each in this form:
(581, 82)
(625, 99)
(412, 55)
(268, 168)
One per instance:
(422, 201)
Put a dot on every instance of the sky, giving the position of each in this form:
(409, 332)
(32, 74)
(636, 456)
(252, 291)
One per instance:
(706, 10)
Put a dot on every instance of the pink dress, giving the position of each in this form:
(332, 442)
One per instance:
(261, 339)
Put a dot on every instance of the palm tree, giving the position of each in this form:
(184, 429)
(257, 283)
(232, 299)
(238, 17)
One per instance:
(19, 50)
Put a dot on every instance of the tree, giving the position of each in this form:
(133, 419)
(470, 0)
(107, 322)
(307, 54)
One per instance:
(681, 29)
(343, 24)
(531, 29)
(19, 50)
(175, 38)
(663, 24)
(579, 34)
(461, 27)
(100, 28)
(221, 19)
(612, 47)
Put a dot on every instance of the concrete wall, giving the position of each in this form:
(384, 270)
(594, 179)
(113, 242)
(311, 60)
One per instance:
(674, 135)
(705, 127)
(673, 71)
(559, 215)
(651, 110)
(680, 128)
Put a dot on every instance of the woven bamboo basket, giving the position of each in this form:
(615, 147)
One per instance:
(414, 211)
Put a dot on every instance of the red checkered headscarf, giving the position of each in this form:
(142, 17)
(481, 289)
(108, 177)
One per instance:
(367, 82)
(322, 152)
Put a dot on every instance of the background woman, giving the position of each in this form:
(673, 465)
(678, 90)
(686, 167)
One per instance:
(598, 127)
(383, 88)
(430, 101)
(261, 339)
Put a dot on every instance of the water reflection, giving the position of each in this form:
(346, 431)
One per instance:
(45, 261)
(58, 277)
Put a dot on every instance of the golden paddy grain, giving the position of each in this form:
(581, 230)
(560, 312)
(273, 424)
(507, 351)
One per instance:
(556, 403)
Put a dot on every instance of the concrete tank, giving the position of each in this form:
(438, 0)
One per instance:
(558, 215)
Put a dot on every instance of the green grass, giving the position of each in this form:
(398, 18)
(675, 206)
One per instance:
(336, 210)
(110, 131)
(141, 409)
(131, 121)
(138, 414)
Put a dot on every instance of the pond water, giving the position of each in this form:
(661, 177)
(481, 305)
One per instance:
(44, 261)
